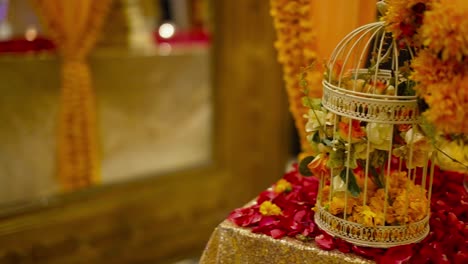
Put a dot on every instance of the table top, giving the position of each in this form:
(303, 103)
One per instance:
(232, 244)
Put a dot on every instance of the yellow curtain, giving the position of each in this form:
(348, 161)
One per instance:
(308, 31)
(74, 26)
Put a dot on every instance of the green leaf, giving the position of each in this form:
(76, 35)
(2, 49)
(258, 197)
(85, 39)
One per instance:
(353, 188)
(303, 169)
(406, 88)
(376, 177)
(316, 137)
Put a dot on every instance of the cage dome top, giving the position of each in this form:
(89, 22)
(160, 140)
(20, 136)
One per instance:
(367, 78)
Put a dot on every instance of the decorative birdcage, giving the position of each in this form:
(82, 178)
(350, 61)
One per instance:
(373, 158)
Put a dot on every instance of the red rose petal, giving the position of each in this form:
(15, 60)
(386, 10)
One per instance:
(343, 246)
(277, 233)
(299, 216)
(460, 258)
(325, 242)
(397, 255)
(367, 252)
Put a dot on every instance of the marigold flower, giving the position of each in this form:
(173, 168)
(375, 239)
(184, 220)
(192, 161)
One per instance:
(296, 48)
(282, 186)
(357, 132)
(404, 18)
(445, 31)
(448, 102)
(269, 208)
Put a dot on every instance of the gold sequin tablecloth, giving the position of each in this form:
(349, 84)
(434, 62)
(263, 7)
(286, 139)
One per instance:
(232, 244)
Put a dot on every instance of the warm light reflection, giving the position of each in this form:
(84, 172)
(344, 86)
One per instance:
(166, 30)
(31, 33)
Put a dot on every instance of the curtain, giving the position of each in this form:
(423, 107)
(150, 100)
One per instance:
(74, 26)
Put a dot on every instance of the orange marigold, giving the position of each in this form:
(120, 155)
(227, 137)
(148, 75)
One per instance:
(429, 69)
(296, 46)
(445, 31)
(448, 102)
(404, 18)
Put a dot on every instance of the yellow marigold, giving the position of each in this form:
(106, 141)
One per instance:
(366, 216)
(337, 204)
(404, 17)
(377, 201)
(296, 46)
(411, 204)
(448, 102)
(429, 69)
(445, 31)
(282, 186)
(269, 208)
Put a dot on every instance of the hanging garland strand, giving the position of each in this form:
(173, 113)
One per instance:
(296, 46)
(75, 26)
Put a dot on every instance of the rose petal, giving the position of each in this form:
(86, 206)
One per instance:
(367, 252)
(343, 246)
(460, 258)
(397, 255)
(299, 216)
(277, 233)
(325, 242)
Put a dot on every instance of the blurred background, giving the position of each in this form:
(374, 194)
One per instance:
(192, 122)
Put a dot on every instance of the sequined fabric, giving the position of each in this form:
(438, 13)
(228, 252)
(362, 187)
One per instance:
(232, 244)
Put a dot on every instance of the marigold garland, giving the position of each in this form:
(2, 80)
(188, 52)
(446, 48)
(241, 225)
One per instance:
(296, 50)
(437, 32)
(75, 26)
(444, 83)
(403, 19)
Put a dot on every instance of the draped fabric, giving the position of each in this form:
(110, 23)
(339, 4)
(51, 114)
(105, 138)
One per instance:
(307, 31)
(75, 26)
(334, 19)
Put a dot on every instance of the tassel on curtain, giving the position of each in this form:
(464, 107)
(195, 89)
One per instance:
(307, 31)
(75, 26)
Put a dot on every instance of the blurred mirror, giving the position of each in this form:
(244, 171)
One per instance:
(152, 81)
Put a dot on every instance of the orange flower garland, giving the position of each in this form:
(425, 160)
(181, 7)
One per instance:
(75, 27)
(403, 19)
(296, 50)
(444, 83)
(438, 33)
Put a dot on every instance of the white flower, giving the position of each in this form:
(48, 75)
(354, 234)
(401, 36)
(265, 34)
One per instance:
(379, 135)
(316, 119)
(450, 151)
(338, 184)
(418, 144)
(360, 150)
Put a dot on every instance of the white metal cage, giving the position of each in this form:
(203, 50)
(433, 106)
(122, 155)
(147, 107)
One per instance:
(376, 187)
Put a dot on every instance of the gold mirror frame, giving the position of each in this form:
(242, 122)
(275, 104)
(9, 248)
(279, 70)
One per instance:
(170, 217)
